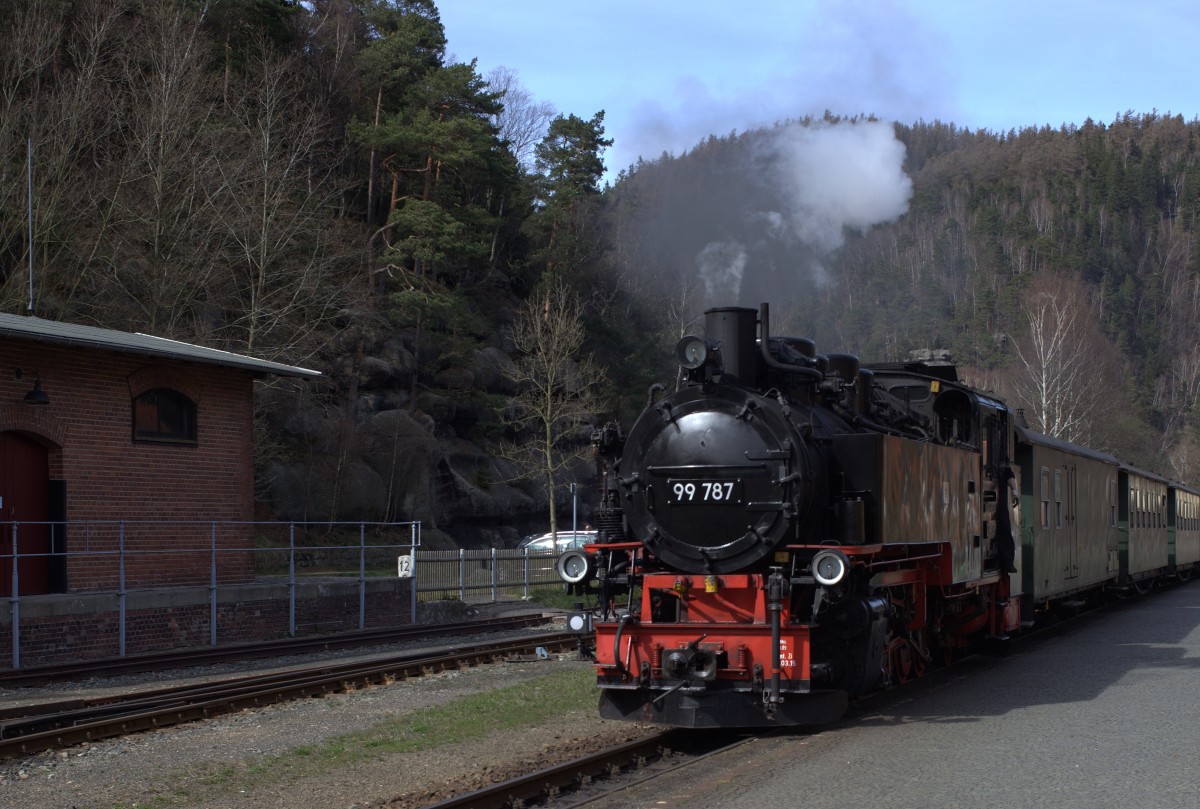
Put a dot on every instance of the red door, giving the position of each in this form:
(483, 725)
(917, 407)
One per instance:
(24, 499)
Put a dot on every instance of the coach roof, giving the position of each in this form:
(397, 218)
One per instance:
(35, 329)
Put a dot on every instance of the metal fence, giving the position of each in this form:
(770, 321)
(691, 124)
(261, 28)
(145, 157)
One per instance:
(117, 558)
(485, 574)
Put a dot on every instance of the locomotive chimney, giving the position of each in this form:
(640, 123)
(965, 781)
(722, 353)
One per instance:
(732, 329)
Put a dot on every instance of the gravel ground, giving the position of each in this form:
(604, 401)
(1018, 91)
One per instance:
(201, 764)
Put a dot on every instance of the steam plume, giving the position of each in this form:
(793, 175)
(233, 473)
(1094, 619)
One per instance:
(819, 180)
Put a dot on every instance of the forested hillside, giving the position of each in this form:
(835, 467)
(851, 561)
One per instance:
(1059, 266)
(322, 184)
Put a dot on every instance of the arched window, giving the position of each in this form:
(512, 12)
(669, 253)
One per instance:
(164, 415)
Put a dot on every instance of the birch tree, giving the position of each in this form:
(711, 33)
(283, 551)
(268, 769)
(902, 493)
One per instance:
(1061, 354)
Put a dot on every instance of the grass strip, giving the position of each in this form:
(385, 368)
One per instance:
(467, 718)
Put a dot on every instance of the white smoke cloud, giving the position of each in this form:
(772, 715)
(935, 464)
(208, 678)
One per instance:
(838, 176)
(823, 179)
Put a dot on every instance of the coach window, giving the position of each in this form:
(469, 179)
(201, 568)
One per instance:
(1045, 494)
(1058, 511)
(165, 416)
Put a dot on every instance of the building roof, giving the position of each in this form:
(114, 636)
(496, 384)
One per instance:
(35, 329)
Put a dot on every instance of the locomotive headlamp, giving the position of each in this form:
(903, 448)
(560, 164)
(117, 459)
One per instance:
(574, 566)
(692, 352)
(830, 567)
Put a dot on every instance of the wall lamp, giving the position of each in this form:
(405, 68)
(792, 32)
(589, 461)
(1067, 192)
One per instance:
(37, 396)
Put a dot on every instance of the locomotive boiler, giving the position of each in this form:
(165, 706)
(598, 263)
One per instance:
(789, 529)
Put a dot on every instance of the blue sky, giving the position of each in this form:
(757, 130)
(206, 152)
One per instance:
(668, 73)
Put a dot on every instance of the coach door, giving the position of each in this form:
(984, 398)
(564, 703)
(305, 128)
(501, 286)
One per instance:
(24, 506)
(1068, 524)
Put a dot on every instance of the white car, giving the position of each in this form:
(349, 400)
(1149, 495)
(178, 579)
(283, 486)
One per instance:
(567, 540)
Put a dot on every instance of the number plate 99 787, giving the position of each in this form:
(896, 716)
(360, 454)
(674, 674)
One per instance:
(704, 492)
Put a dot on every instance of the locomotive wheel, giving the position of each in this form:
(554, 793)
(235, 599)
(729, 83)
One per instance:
(905, 660)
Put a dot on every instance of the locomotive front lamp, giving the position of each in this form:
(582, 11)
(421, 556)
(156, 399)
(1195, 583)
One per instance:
(574, 566)
(692, 352)
(829, 567)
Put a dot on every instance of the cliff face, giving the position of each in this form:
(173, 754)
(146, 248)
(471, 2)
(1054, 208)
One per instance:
(414, 448)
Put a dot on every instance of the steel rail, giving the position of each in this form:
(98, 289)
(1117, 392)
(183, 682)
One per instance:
(652, 757)
(59, 725)
(110, 667)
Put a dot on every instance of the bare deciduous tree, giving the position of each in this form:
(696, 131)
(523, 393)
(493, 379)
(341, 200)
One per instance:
(557, 388)
(523, 122)
(69, 116)
(1062, 354)
(169, 246)
(275, 191)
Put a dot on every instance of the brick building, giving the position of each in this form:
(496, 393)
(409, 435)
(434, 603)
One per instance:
(112, 442)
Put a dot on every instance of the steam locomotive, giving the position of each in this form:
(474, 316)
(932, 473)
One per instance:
(788, 530)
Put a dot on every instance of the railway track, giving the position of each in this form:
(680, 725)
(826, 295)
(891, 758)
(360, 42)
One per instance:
(34, 728)
(589, 778)
(111, 667)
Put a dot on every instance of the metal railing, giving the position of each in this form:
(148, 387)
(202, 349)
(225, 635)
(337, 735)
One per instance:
(117, 558)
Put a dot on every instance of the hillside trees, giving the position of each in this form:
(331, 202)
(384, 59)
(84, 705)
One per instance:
(318, 182)
(206, 165)
(570, 161)
(1110, 208)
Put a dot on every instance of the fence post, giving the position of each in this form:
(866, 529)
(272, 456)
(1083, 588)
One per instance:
(412, 544)
(212, 587)
(292, 579)
(526, 565)
(495, 578)
(16, 602)
(121, 588)
(362, 576)
(462, 575)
